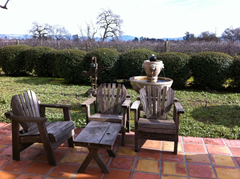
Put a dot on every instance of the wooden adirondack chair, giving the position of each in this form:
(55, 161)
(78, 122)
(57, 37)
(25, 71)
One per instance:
(155, 124)
(27, 111)
(111, 104)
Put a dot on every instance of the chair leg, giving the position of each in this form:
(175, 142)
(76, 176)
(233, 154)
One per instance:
(49, 153)
(46, 144)
(18, 148)
(123, 138)
(15, 152)
(175, 147)
(70, 142)
(136, 145)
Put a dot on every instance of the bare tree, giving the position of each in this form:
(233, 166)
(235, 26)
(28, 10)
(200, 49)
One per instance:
(110, 23)
(89, 33)
(231, 34)
(189, 37)
(40, 31)
(208, 37)
(59, 33)
(5, 6)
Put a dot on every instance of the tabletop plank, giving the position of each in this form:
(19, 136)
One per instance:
(111, 134)
(93, 132)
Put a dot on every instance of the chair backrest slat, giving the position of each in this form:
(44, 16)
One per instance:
(109, 95)
(25, 105)
(31, 103)
(159, 92)
(163, 100)
(154, 101)
(113, 96)
(110, 99)
(144, 101)
(100, 100)
(169, 102)
(25, 109)
(28, 104)
(117, 98)
(35, 103)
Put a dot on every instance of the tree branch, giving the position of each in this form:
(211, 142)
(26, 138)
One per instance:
(5, 6)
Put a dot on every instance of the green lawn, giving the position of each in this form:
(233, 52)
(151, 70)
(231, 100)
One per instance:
(206, 114)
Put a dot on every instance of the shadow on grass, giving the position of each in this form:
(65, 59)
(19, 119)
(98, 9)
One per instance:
(31, 80)
(226, 115)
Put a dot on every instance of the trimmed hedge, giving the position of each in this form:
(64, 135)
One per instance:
(236, 74)
(210, 69)
(12, 60)
(105, 58)
(69, 65)
(176, 67)
(130, 63)
(38, 62)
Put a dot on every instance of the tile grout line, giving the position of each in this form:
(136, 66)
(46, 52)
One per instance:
(233, 157)
(136, 157)
(160, 173)
(185, 158)
(209, 157)
(109, 162)
(70, 148)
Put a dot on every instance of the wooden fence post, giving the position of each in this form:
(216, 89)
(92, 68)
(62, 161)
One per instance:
(167, 48)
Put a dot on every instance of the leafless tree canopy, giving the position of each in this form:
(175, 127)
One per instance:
(231, 34)
(208, 37)
(59, 32)
(5, 6)
(110, 23)
(89, 33)
(39, 31)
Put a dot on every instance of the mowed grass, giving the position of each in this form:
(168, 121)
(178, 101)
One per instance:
(206, 114)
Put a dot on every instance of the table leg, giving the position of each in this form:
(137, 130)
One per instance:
(111, 153)
(101, 163)
(93, 153)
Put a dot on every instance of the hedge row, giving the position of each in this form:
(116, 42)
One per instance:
(209, 69)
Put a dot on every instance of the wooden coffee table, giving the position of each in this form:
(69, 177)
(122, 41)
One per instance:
(97, 135)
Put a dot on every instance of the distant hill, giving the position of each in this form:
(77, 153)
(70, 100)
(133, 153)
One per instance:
(15, 36)
(123, 38)
(129, 37)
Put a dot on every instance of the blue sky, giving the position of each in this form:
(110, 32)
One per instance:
(152, 18)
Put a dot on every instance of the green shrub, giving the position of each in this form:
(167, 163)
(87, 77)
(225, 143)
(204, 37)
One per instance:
(51, 56)
(69, 65)
(105, 58)
(176, 67)
(130, 63)
(236, 74)
(12, 60)
(38, 63)
(210, 69)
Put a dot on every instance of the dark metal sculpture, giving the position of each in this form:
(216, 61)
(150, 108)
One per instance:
(93, 73)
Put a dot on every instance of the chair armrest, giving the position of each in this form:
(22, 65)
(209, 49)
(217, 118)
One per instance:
(8, 114)
(66, 110)
(55, 106)
(135, 105)
(135, 108)
(178, 107)
(28, 119)
(126, 103)
(88, 102)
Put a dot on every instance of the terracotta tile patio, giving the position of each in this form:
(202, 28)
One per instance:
(197, 158)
